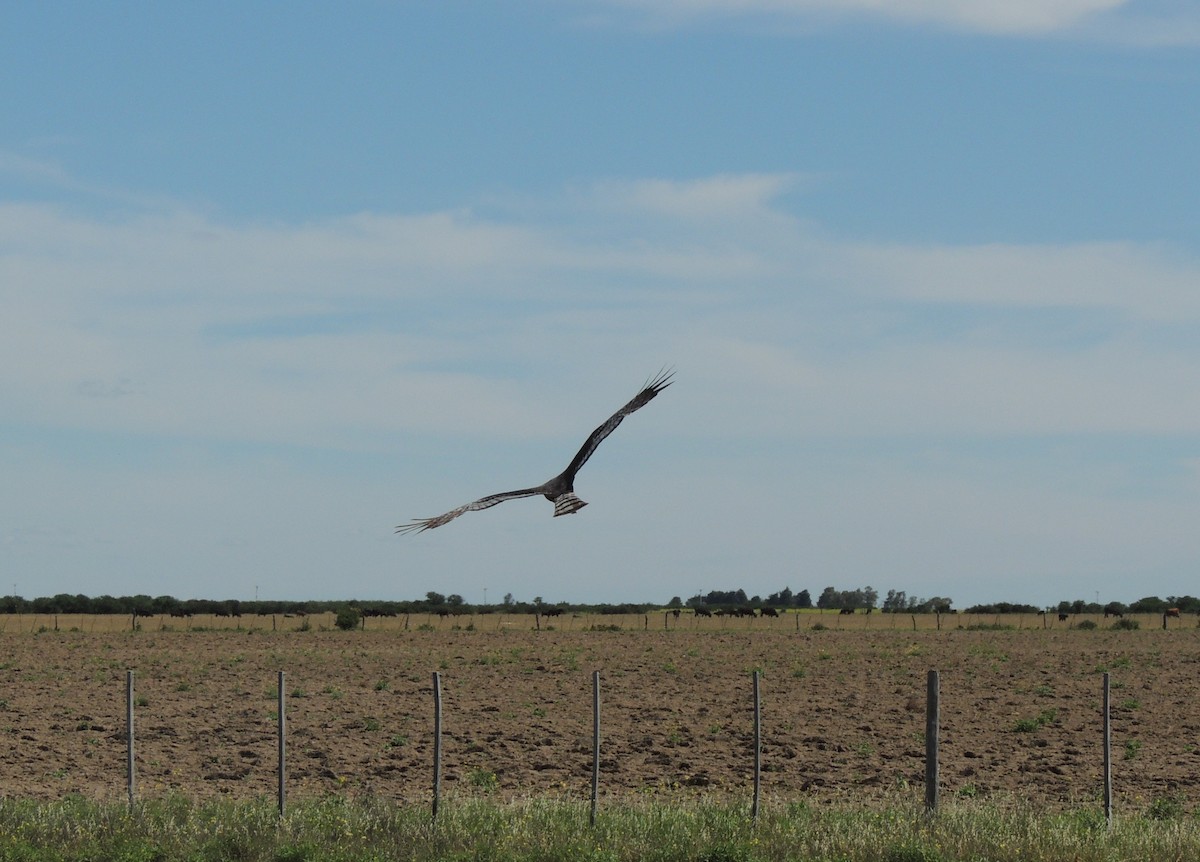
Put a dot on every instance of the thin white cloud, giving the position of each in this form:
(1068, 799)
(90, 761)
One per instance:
(325, 332)
(723, 197)
(1149, 281)
(1142, 24)
(1001, 17)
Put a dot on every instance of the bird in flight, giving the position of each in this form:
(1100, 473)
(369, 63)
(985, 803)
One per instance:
(561, 489)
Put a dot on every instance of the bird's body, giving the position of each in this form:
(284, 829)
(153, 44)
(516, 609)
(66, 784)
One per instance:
(561, 489)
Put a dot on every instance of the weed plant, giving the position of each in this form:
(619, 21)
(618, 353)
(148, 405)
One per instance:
(547, 830)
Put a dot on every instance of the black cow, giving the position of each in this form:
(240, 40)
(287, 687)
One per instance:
(702, 612)
(768, 612)
(844, 611)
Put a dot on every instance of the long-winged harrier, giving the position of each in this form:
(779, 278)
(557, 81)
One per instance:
(561, 489)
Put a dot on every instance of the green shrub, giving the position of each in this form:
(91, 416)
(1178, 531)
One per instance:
(1088, 625)
(1165, 808)
(347, 619)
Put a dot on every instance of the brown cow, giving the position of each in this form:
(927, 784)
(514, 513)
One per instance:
(1172, 612)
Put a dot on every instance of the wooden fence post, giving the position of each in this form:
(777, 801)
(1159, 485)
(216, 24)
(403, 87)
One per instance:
(1107, 754)
(932, 710)
(129, 772)
(282, 789)
(437, 740)
(757, 750)
(595, 745)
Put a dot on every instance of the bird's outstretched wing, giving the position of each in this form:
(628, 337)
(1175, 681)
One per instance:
(653, 386)
(420, 524)
(559, 489)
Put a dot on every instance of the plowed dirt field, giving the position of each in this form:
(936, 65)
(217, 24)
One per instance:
(843, 709)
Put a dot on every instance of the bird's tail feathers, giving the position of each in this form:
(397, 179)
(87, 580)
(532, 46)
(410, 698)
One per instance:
(567, 504)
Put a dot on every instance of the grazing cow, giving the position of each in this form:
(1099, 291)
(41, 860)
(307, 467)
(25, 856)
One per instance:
(1110, 612)
(1062, 618)
(844, 611)
(552, 612)
(746, 612)
(702, 612)
(675, 613)
(768, 612)
(1172, 612)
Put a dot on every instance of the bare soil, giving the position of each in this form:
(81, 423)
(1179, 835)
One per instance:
(843, 710)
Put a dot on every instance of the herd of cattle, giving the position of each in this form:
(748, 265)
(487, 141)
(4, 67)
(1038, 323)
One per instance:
(698, 611)
(753, 612)
(1112, 612)
(732, 612)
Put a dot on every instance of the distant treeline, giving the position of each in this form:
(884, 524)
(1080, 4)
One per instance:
(1147, 605)
(897, 601)
(170, 606)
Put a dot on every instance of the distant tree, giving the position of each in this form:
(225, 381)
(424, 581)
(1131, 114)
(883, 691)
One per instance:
(804, 600)
(435, 598)
(142, 605)
(164, 604)
(937, 604)
(781, 599)
(106, 605)
(455, 600)
(829, 598)
(69, 604)
(44, 605)
(897, 600)
(1149, 605)
(726, 597)
(864, 597)
(509, 601)
(675, 602)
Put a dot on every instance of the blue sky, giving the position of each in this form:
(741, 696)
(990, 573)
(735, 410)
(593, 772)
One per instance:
(276, 278)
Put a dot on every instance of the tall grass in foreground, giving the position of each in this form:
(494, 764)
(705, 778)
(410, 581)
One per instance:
(541, 829)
